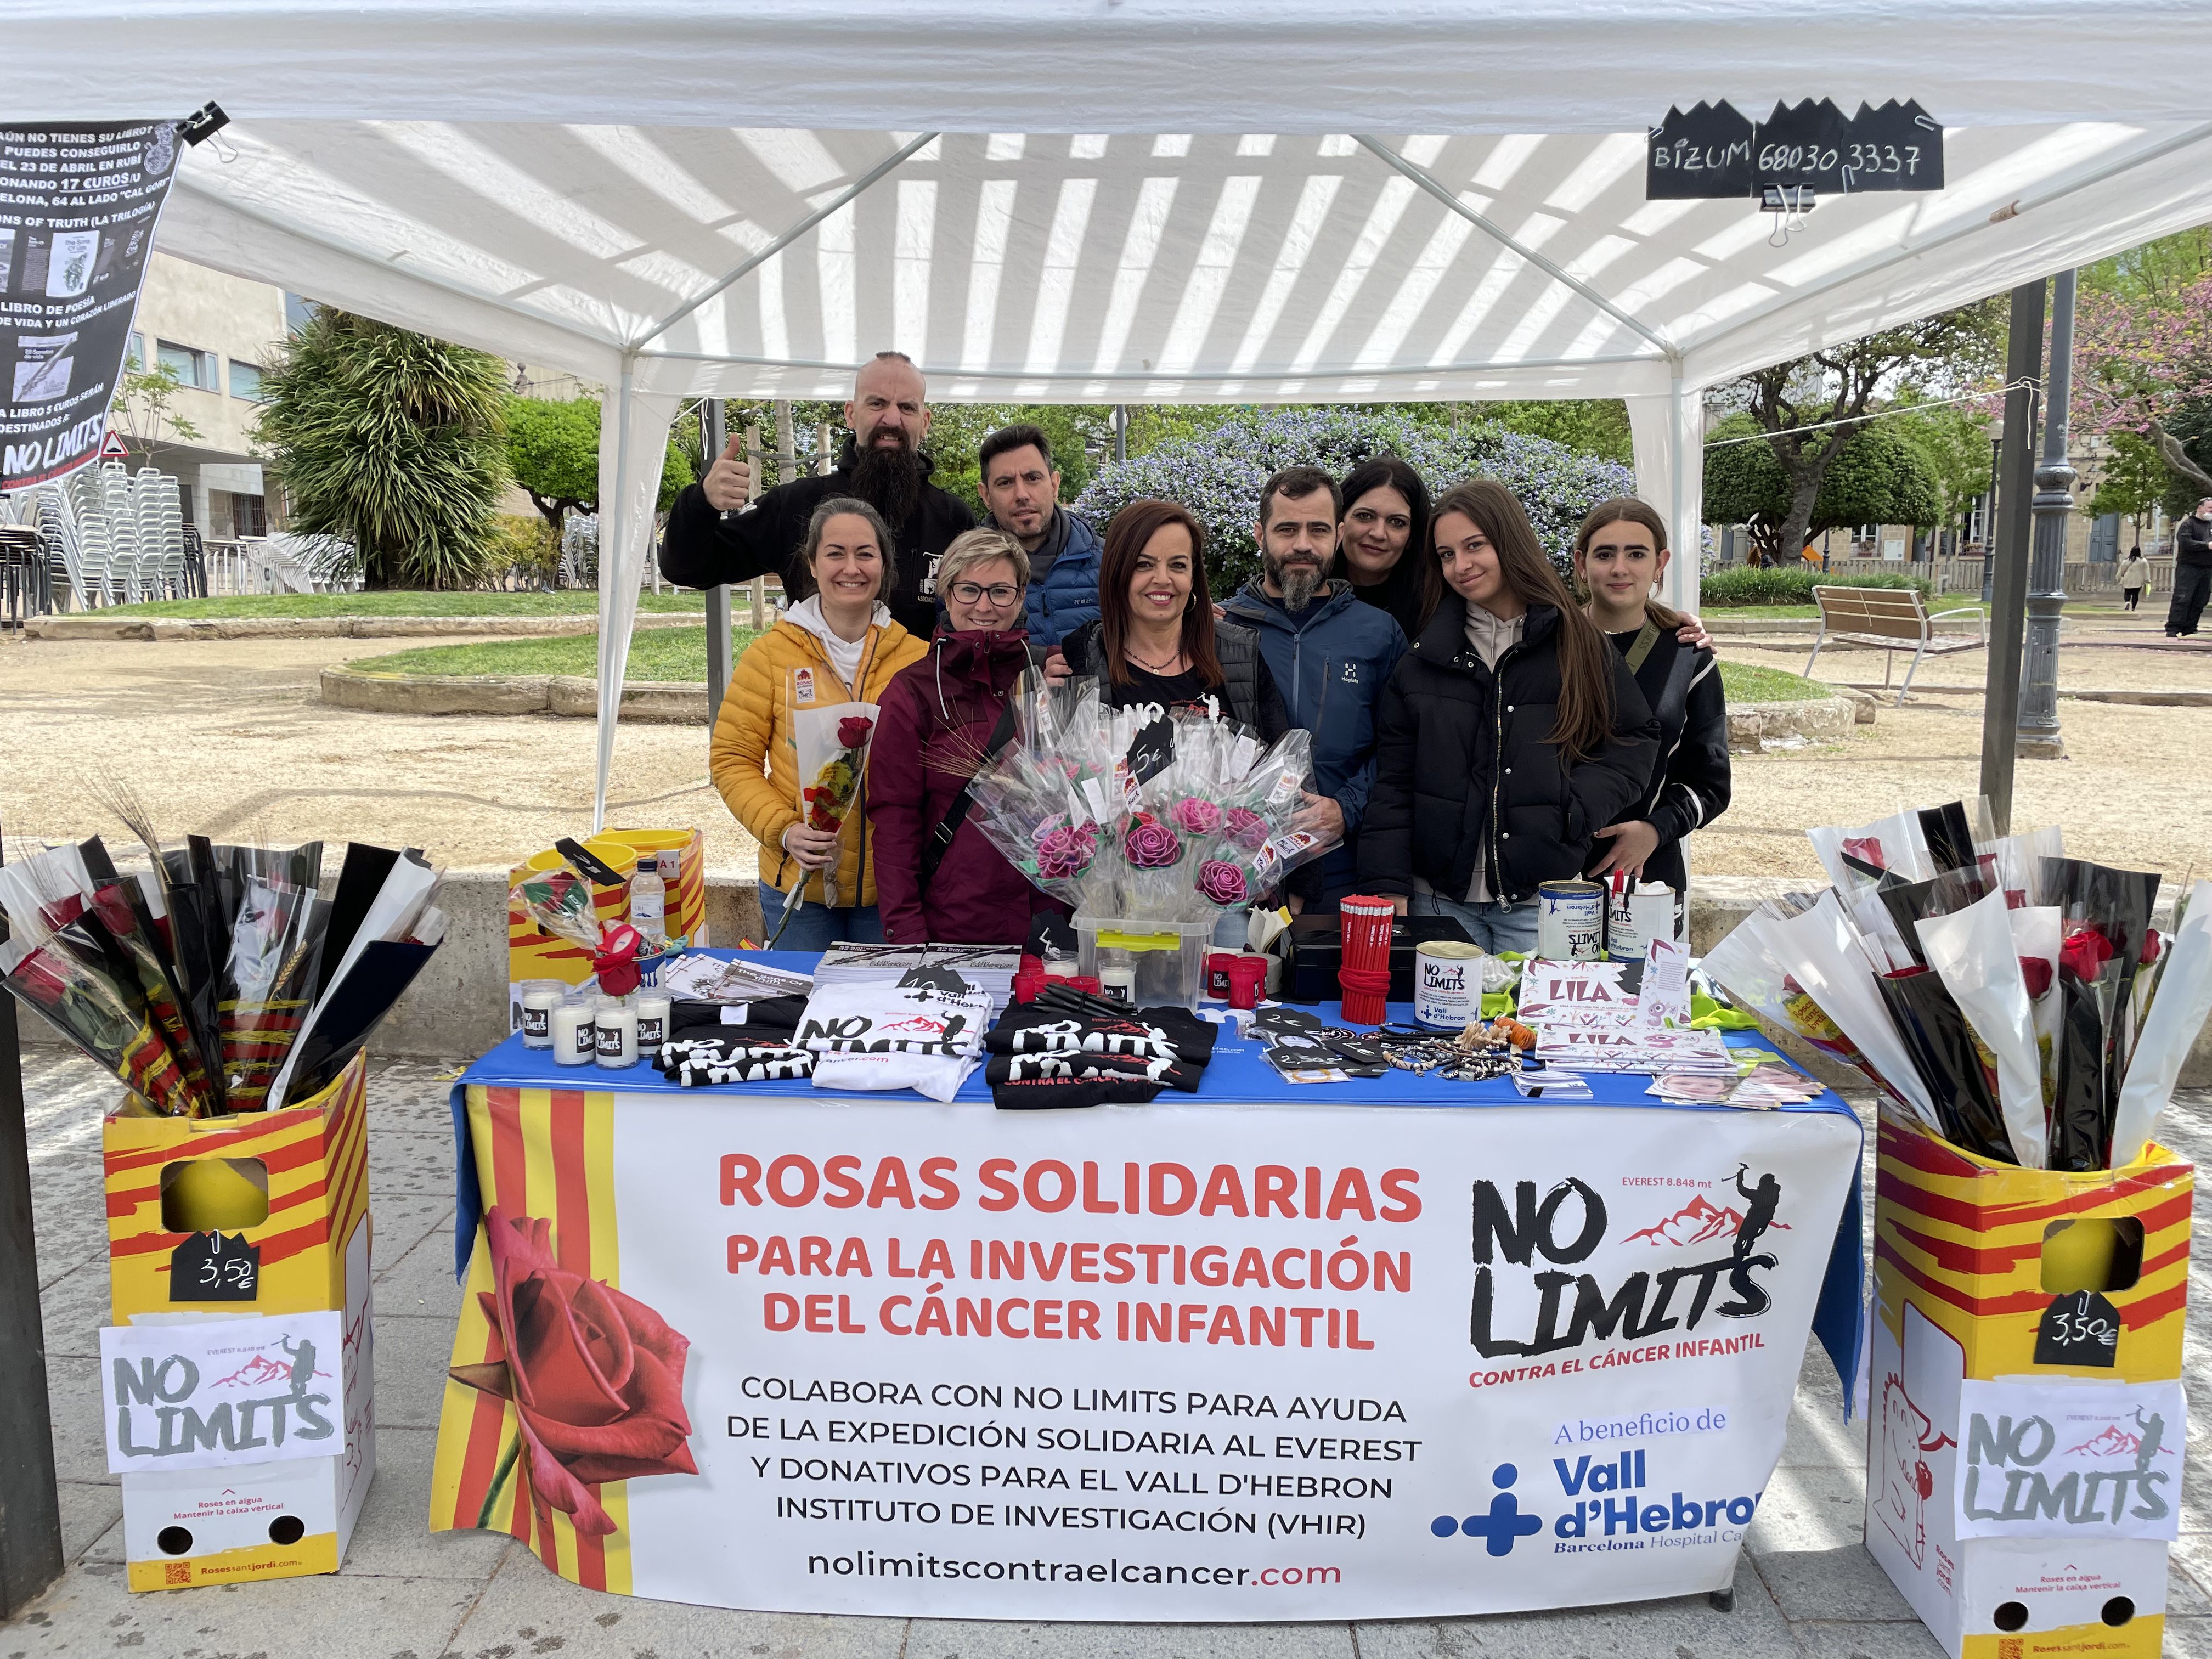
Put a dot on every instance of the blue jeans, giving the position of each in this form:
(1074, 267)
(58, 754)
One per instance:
(817, 928)
(1494, 927)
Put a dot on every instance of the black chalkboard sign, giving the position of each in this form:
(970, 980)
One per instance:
(1897, 147)
(214, 1267)
(1150, 750)
(2079, 1329)
(1798, 153)
(1700, 153)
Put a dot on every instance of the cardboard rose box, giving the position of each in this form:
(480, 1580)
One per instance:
(2025, 1435)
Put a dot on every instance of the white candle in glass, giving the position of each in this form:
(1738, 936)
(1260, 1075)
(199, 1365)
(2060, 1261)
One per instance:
(617, 1032)
(539, 1002)
(572, 1034)
(652, 1010)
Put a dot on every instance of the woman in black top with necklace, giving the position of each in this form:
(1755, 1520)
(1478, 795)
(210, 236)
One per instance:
(1621, 553)
(1156, 639)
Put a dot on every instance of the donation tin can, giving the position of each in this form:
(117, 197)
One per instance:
(1569, 920)
(1447, 983)
(1639, 913)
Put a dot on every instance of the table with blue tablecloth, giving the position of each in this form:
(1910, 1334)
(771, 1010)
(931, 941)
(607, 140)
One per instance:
(1353, 1345)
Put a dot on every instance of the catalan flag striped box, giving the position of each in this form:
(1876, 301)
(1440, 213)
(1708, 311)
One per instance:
(312, 1250)
(532, 953)
(1962, 1289)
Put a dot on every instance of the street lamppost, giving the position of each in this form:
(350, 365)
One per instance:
(2053, 508)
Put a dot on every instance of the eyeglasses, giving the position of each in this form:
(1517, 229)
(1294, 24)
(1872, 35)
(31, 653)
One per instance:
(974, 593)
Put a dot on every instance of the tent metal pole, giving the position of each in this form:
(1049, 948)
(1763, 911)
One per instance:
(718, 596)
(2009, 601)
(30, 1504)
(2052, 509)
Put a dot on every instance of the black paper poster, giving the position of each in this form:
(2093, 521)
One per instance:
(78, 205)
(2079, 1329)
(1804, 151)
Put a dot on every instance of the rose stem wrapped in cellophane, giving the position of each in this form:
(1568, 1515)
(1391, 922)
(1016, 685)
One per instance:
(1043, 801)
(1856, 859)
(2180, 999)
(1258, 846)
(2107, 917)
(68, 982)
(830, 744)
(1971, 950)
(119, 921)
(268, 981)
(1757, 966)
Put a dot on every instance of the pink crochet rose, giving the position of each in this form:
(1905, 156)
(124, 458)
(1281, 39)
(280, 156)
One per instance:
(1222, 882)
(1247, 828)
(1197, 816)
(1149, 844)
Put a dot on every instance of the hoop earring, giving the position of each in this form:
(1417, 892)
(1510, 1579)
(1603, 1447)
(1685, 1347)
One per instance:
(1190, 604)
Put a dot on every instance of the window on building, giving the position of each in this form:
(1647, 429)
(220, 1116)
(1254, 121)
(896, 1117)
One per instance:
(298, 313)
(245, 381)
(136, 364)
(191, 366)
(249, 515)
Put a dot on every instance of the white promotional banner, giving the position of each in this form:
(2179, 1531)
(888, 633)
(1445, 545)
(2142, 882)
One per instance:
(1156, 1363)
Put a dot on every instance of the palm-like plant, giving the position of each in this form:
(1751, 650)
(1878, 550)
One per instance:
(392, 441)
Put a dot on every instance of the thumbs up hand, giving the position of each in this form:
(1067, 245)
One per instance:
(728, 483)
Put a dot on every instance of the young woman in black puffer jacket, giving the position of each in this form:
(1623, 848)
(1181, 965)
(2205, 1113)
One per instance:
(1509, 734)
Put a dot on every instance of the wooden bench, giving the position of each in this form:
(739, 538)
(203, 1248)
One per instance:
(1890, 619)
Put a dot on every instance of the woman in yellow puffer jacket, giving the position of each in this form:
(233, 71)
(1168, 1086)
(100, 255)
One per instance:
(836, 644)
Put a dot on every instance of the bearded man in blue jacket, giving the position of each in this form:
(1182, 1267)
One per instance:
(1330, 656)
(1020, 488)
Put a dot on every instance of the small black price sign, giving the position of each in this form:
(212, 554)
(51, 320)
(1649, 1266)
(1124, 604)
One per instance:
(1151, 750)
(2079, 1329)
(1700, 153)
(214, 1267)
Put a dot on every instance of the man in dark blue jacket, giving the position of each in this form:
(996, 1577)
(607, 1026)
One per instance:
(1020, 488)
(1330, 656)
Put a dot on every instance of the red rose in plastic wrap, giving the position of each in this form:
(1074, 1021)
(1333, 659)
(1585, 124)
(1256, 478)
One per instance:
(2037, 972)
(2084, 953)
(596, 1376)
(853, 730)
(1222, 882)
(1247, 828)
(1867, 849)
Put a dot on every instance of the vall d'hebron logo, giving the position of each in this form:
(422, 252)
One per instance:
(1608, 1505)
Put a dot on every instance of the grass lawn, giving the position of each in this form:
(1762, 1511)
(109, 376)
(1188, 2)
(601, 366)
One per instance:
(657, 653)
(1747, 684)
(409, 603)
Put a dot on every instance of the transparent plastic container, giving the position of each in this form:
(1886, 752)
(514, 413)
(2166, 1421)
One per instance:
(1169, 958)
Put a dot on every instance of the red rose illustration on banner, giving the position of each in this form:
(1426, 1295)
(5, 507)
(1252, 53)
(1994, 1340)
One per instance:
(596, 1376)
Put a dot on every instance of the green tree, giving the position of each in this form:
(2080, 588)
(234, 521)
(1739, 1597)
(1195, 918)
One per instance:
(1954, 439)
(1808, 408)
(956, 431)
(1877, 476)
(553, 449)
(392, 442)
(143, 410)
(1595, 426)
(2131, 481)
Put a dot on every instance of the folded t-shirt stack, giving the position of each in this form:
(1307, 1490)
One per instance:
(894, 1036)
(1044, 1058)
(705, 1045)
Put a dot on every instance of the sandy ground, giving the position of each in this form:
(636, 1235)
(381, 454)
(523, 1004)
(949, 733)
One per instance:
(229, 738)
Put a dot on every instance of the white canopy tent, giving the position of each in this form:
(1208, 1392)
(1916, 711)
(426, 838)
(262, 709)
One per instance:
(1096, 200)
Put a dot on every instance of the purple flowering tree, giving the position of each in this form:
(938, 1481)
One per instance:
(1218, 475)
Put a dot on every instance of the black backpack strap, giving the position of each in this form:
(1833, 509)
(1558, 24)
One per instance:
(940, 839)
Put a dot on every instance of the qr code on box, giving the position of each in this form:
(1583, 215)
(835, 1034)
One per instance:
(2011, 1647)
(176, 1572)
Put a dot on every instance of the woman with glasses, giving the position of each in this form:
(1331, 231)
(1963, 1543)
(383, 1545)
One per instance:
(938, 880)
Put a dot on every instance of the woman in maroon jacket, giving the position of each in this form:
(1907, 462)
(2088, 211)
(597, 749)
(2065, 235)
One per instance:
(937, 720)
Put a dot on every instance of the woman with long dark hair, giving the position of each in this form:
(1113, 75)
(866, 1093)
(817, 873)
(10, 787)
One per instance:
(1512, 732)
(1620, 554)
(1383, 539)
(1156, 639)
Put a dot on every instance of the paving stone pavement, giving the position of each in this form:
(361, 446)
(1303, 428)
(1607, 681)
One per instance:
(1805, 1587)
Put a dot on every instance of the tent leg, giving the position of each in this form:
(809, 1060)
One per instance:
(30, 1515)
